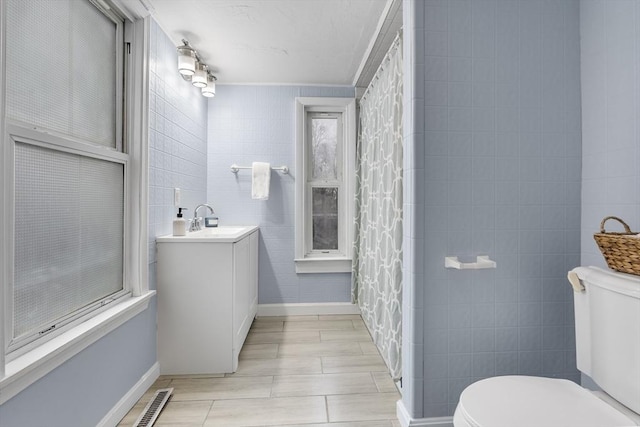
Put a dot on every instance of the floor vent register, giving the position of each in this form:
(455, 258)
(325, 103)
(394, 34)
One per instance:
(153, 408)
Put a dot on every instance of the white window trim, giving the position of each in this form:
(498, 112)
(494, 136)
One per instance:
(330, 263)
(26, 369)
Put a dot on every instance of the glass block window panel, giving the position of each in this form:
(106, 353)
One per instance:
(69, 235)
(324, 148)
(324, 214)
(62, 58)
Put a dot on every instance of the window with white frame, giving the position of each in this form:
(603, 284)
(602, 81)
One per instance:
(325, 156)
(72, 173)
(69, 173)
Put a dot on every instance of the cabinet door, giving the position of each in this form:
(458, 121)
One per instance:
(241, 297)
(253, 284)
(194, 308)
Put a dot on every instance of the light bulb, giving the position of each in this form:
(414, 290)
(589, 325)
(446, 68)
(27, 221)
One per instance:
(199, 79)
(210, 89)
(186, 60)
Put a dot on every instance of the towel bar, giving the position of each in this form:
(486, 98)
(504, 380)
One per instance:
(235, 168)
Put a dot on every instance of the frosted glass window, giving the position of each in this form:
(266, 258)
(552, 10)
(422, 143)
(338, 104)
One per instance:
(324, 148)
(325, 218)
(69, 235)
(62, 69)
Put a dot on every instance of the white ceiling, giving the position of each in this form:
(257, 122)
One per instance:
(277, 41)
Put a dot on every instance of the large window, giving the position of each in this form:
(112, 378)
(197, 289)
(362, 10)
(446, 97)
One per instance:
(72, 170)
(324, 184)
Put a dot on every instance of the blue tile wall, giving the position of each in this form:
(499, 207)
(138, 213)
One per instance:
(248, 123)
(177, 141)
(611, 144)
(493, 131)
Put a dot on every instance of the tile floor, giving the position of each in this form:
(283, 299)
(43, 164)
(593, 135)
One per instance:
(301, 371)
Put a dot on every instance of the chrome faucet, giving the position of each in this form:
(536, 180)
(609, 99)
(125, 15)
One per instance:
(196, 222)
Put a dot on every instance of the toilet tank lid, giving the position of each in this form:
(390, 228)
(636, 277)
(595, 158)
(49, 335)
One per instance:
(622, 283)
(535, 401)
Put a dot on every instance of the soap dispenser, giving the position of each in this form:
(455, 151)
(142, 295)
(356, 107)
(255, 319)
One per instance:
(179, 224)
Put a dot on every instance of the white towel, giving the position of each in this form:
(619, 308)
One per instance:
(260, 179)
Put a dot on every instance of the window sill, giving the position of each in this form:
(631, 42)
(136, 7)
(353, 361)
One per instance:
(323, 265)
(28, 368)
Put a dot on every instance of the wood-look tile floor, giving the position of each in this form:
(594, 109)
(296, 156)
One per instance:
(300, 371)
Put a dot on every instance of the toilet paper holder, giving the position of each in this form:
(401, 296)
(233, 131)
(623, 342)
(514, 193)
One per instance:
(482, 262)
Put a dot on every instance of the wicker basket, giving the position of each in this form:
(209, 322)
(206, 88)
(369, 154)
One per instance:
(621, 250)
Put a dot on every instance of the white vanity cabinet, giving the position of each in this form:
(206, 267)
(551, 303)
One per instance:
(207, 299)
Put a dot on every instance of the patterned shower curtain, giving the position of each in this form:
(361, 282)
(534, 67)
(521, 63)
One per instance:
(377, 260)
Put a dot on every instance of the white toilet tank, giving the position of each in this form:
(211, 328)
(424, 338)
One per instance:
(607, 314)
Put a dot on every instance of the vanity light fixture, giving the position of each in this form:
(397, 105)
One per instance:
(193, 69)
(210, 89)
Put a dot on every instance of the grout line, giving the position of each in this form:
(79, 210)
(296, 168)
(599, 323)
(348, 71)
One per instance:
(326, 408)
(273, 378)
(374, 381)
(208, 412)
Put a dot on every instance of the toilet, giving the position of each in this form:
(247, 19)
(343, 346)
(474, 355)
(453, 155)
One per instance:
(607, 316)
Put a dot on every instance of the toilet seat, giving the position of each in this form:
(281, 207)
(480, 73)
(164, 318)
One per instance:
(521, 401)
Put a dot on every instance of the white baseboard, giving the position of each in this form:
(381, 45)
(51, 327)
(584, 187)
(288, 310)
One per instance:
(307, 309)
(127, 402)
(406, 420)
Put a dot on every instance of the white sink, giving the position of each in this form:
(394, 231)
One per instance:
(219, 231)
(224, 234)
